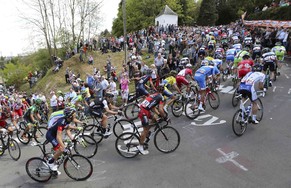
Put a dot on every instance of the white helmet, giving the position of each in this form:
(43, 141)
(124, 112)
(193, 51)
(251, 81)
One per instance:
(188, 65)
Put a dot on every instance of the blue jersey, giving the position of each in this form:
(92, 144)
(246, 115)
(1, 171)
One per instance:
(59, 124)
(231, 51)
(143, 80)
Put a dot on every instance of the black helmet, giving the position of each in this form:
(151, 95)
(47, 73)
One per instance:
(265, 50)
(108, 94)
(210, 63)
(68, 112)
(149, 71)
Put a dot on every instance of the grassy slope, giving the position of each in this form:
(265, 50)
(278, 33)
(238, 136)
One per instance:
(56, 81)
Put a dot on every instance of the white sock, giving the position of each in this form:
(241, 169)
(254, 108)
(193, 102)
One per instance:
(254, 117)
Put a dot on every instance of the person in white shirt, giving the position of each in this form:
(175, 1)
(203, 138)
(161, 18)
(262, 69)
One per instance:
(112, 89)
(53, 101)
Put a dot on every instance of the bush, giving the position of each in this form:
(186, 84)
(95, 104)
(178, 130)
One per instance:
(278, 13)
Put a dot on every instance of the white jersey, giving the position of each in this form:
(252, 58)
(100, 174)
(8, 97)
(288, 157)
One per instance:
(253, 77)
(269, 57)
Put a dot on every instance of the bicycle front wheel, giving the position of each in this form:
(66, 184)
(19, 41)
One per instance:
(23, 138)
(40, 134)
(94, 131)
(213, 100)
(191, 109)
(131, 111)
(126, 145)
(122, 126)
(86, 146)
(177, 108)
(260, 112)
(235, 98)
(14, 149)
(78, 167)
(167, 139)
(37, 169)
(239, 124)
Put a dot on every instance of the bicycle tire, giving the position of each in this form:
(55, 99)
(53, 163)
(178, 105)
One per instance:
(239, 124)
(73, 162)
(126, 145)
(260, 112)
(2, 147)
(93, 131)
(86, 146)
(191, 109)
(212, 97)
(20, 131)
(164, 134)
(177, 108)
(13, 149)
(40, 134)
(37, 169)
(131, 111)
(235, 100)
(123, 125)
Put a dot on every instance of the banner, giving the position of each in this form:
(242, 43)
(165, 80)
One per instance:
(267, 23)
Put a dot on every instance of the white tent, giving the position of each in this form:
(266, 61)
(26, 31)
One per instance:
(167, 17)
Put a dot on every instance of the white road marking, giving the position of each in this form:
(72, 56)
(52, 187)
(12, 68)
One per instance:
(287, 76)
(226, 89)
(208, 122)
(229, 157)
(274, 88)
(289, 91)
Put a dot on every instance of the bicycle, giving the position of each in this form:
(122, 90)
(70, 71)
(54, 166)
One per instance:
(127, 143)
(191, 107)
(9, 144)
(82, 144)
(36, 132)
(38, 169)
(131, 110)
(243, 116)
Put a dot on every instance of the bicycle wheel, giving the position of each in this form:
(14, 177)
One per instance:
(86, 146)
(239, 125)
(191, 109)
(40, 134)
(177, 108)
(94, 131)
(37, 169)
(13, 149)
(26, 137)
(2, 148)
(123, 125)
(131, 111)
(260, 112)
(126, 145)
(213, 100)
(78, 167)
(235, 98)
(167, 139)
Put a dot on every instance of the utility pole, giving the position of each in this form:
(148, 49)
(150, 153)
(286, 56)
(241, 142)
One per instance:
(124, 30)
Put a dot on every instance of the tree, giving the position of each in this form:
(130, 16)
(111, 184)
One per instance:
(208, 13)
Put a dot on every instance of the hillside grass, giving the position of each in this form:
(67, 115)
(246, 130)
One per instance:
(56, 81)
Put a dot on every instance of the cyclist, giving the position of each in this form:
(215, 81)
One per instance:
(4, 115)
(257, 51)
(141, 84)
(54, 133)
(201, 76)
(238, 58)
(181, 77)
(31, 115)
(247, 89)
(280, 51)
(270, 62)
(98, 106)
(79, 100)
(244, 66)
(170, 81)
(17, 112)
(145, 114)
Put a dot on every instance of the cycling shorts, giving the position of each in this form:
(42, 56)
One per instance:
(248, 91)
(141, 90)
(270, 65)
(243, 72)
(3, 124)
(230, 58)
(144, 115)
(27, 119)
(53, 140)
(17, 113)
(96, 112)
(181, 80)
(167, 93)
(210, 47)
(200, 79)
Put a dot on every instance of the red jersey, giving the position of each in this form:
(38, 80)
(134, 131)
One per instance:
(245, 64)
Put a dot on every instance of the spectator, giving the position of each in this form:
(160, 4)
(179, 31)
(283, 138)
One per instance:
(159, 61)
(124, 81)
(104, 84)
(265, 8)
(53, 101)
(112, 89)
(90, 60)
(67, 75)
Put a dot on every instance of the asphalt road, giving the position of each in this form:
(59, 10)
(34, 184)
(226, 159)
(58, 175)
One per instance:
(209, 155)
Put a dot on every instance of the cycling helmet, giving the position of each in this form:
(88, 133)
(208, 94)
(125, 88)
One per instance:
(38, 102)
(108, 94)
(266, 50)
(219, 56)
(19, 101)
(68, 112)
(188, 65)
(149, 71)
(204, 63)
(257, 68)
(278, 44)
(59, 92)
(210, 63)
(246, 56)
(173, 72)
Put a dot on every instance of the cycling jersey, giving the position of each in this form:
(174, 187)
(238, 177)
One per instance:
(217, 62)
(180, 78)
(244, 67)
(237, 46)
(247, 85)
(230, 54)
(31, 110)
(279, 51)
(54, 117)
(140, 88)
(202, 73)
(269, 60)
(238, 57)
(76, 99)
(171, 80)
